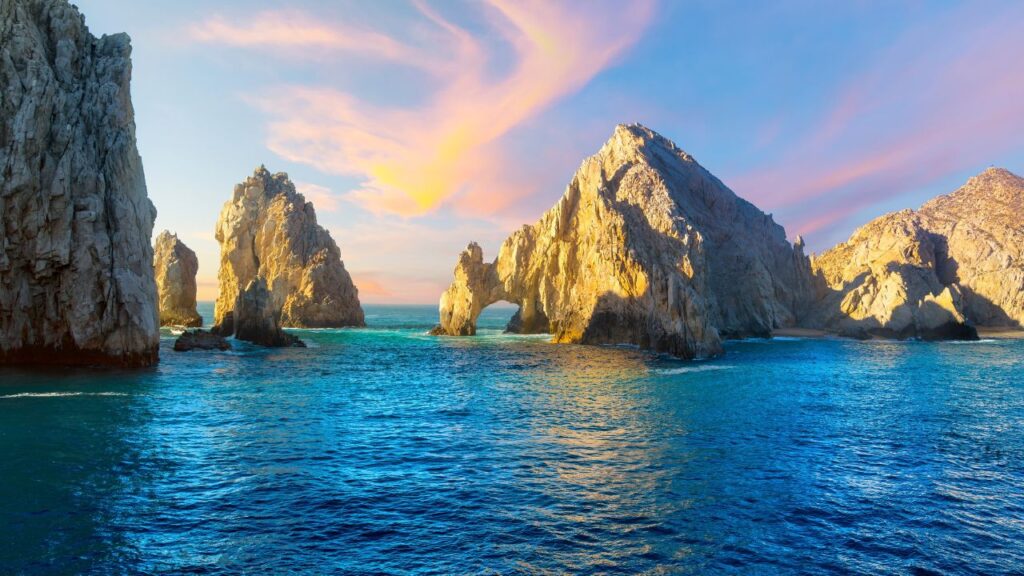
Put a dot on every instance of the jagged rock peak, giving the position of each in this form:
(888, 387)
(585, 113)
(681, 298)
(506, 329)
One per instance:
(269, 231)
(644, 247)
(76, 266)
(175, 266)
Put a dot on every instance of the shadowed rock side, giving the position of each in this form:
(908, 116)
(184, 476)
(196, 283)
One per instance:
(883, 282)
(76, 267)
(255, 318)
(268, 230)
(200, 340)
(175, 267)
(933, 274)
(645, 247)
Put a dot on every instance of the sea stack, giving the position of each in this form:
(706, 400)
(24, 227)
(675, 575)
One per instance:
(175, 266)
(269, 232)
(934, 273)
(76, 266)
(645, 247)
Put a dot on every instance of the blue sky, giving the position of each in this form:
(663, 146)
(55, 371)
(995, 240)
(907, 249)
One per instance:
(416, 127)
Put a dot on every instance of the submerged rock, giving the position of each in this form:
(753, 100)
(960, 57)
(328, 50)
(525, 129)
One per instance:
(175, 266)
(200, 340)
(76, 266)
(255, 318)
(645, 247)
(268, 230)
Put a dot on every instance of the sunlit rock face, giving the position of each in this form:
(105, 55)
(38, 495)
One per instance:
(645, 247)
(76, 266)
(175, 266)
(884, 282)
(268, 231)
(956, 263)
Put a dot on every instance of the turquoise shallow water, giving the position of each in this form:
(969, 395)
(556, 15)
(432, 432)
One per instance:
(383, 450)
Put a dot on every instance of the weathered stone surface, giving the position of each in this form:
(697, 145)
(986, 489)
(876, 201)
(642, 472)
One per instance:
(645, 247)
(937, 272)
(884, 282)
(982, 248)
(268, 230)
(76, 267)
(200, 340)
(256, 318)
(175, 266)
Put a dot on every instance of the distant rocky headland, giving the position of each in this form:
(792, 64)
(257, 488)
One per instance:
(645, 246)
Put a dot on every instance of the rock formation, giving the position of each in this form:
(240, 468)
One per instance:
(256, 318)
(937, 272)
(269, 231)
(76, 267)
(645, 247)
(175, 267)
(200, 340)
(884, 282)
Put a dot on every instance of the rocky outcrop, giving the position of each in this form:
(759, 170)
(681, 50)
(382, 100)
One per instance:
(269, 231)
(200, 340)
(981, 245)
(645, 247)
(76, 267)
(934, 273)
(175, 266)
(884, 282)
(256, 318)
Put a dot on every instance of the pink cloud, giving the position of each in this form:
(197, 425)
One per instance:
(322, 198)
(415, 158)
(932, 106)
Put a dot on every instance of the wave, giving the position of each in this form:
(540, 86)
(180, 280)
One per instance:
(691, 369)
(60, 394)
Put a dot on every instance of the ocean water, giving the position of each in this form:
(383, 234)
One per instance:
(383, 450)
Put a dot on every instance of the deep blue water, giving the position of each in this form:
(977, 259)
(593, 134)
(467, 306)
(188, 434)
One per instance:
(383, 450)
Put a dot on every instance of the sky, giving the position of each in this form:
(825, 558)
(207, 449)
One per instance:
(416, 127)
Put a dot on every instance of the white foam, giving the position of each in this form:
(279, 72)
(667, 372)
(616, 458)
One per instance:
(60, 394)
(692, 369)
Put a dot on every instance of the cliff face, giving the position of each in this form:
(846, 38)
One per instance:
(269, 231)
(645, 247)
(175, 266)
(932, 273)
(76, 267)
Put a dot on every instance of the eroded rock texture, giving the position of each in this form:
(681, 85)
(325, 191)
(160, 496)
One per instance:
(268, 230)
(200, 340)
(76, 267)
(937, 272)
(256, 318)
(645, 247)
(175, 266)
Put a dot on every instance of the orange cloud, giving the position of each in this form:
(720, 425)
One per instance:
(413, 159)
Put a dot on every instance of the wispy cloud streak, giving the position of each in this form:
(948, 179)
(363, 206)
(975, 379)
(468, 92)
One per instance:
(944, 99)
(414, 158)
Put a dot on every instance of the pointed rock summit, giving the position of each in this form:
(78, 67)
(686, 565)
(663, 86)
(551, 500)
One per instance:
(175, 266)
(268, 232)
(76, 266)
(934, 273)
(645, 247)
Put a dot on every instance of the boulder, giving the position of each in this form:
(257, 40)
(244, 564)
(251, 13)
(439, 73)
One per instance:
(200, 340)
(256, 318)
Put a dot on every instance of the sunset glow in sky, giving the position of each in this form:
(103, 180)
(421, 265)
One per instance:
(415, 127)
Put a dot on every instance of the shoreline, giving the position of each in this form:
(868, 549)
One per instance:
(991, 333)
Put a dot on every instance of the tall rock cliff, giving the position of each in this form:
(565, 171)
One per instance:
(269, 231)
(175, 266)
(76, 267)
(934, 273)
(645, 247)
